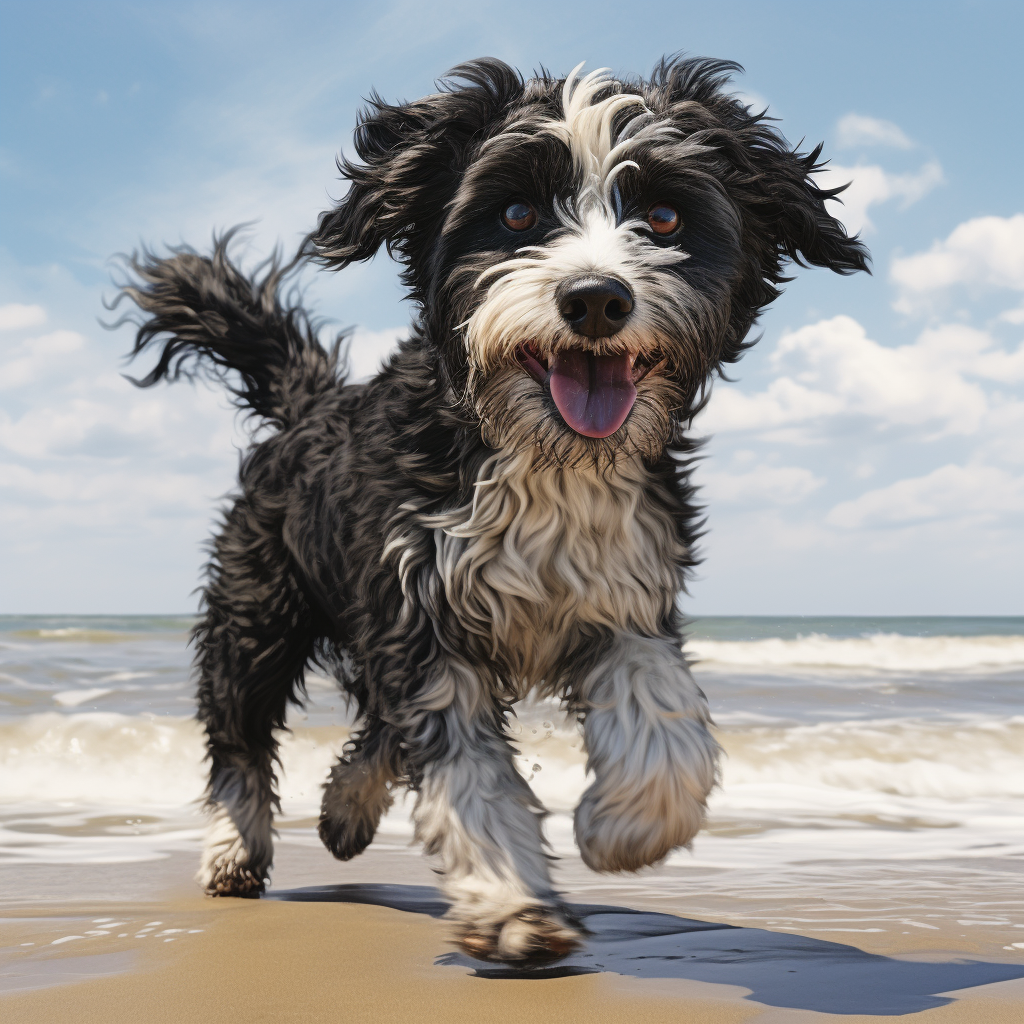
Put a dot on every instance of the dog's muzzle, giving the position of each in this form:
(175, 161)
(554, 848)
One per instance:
(593, 393)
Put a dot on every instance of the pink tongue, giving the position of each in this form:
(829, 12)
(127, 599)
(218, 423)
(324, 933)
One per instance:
(593, 393)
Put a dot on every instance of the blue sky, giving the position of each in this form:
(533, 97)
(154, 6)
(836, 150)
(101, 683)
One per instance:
(869, 457)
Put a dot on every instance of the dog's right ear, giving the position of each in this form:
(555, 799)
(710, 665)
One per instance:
(411, 158)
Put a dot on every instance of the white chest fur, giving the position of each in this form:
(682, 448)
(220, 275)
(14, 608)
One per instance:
(544, 550)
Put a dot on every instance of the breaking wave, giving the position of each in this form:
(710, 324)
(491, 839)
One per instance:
(879, 652)
(108, 758)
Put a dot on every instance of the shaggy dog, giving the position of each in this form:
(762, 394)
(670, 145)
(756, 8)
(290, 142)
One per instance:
(505, 508)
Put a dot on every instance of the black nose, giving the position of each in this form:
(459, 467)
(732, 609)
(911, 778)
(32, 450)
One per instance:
(596, 307)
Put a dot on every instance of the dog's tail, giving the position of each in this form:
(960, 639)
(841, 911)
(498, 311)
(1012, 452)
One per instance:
(209, 318)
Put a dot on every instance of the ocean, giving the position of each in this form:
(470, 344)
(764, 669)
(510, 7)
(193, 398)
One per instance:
(866, 759)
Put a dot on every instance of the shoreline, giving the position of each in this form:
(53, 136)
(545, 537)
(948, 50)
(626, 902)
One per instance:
(364, 941)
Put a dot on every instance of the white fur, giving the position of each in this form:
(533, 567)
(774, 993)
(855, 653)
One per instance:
(543, 550)
(229, 864)
(478, 816)
(520, 301)
(653, 758)
(586, 128)
(546, 554)
(238, 849)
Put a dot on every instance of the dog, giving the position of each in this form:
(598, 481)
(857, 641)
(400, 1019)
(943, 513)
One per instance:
(506, 507)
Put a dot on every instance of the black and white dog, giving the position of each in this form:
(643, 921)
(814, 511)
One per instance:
(505, 508)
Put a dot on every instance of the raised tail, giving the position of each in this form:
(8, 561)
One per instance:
(209, 318)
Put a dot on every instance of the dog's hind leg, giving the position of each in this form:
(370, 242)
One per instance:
(477, 814)
(648, 745)
(254, 641)
(360, 789)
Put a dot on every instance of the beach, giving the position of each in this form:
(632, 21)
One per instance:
(862, 860)
(142, 945)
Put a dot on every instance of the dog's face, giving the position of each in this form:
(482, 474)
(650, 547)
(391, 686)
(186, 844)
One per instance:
(586, 252)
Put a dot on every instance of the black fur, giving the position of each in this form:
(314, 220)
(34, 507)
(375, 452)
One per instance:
(298, 573)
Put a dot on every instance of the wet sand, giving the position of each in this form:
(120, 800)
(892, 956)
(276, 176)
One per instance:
(137, 943)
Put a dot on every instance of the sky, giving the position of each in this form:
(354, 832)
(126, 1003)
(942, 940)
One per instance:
(867, 457)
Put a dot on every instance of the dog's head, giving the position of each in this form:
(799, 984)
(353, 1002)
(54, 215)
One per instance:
(585, 252)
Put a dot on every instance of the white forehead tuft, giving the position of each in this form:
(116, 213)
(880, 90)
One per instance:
(586, 127)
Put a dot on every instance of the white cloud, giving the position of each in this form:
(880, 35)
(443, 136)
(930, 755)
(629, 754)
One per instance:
(754, 100)
(859, 130)
(368, 350)
(977, 492)
(967, 350)
(35, 357)
(14, 316)
(777, 485)
(85, 455)
(1005, 428)
(85, 494)
(832, 369)
(987, 252)
(247, 157)
(871, 185)
(782, 403)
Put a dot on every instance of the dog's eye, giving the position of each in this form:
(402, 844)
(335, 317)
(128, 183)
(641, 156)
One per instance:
(664, 219)
(519, 216)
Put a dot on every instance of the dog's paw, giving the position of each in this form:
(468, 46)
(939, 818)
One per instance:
(228, 867)
(348, 835)
(355, 799)
(230, 880)
(531, 936)
(628, 838)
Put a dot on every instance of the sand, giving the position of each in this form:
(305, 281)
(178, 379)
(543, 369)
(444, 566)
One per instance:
(137, 943)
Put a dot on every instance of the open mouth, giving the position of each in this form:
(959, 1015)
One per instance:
(593, 393)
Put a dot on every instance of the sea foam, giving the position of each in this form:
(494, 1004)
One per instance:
(886, 652)
(881, 745)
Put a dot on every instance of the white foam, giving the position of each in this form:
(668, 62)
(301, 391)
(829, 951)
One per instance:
(894, 789)
(72, 698)
(106, 757)
(973, 756)
(888, 652)
(107, 787)
(109, 759)
(84, 634)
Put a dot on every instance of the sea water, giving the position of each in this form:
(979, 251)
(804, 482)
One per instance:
(852, 746)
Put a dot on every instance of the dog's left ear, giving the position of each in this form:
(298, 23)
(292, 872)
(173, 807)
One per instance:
(778, 192)
(782, 208)
(411, 156)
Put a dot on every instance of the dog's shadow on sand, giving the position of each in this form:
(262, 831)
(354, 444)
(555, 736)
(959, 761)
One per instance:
(780, 969)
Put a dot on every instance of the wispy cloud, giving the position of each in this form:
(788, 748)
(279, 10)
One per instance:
(858, 130)
(871, 185)
(979, 493)
(832, 371)
(776, 485)
(15, 316)
(369, 349)
(983, 253)
(31, 358)
(81, 447)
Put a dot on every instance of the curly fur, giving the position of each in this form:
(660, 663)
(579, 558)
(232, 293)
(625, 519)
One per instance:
(439, 537)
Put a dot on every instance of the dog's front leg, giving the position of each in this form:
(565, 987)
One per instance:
(238, 847)
(477, 814)
(648, 745)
